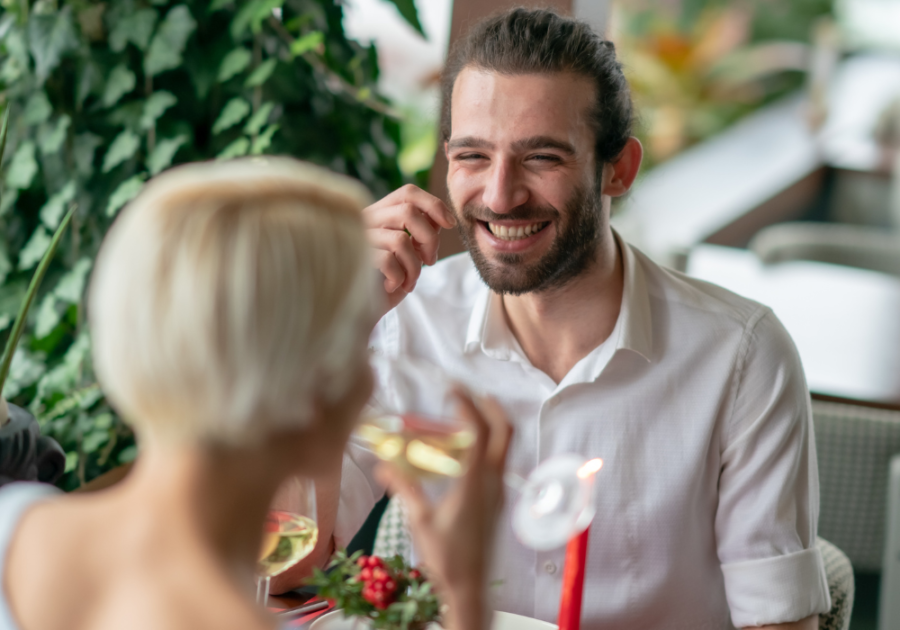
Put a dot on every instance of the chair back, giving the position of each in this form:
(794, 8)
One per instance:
(839, 573)
(855, 445)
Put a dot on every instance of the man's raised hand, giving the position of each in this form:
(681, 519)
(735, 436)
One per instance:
(403, 228)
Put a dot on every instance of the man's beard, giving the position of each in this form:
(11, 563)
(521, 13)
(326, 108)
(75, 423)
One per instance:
(572, 251)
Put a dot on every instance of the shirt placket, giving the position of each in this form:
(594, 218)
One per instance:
(548, 564)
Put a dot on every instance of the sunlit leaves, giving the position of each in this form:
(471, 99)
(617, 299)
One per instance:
(34, 249)
(234, 63)
(49, 314)
(135, 28)
(83, 148)
(53, 210)
(262, 142)
(258, 119)
(121, 81)
(154, 107)
(252, 15)
(234, 112)
(238, 148)
(161, 156)
(122, 148)
(37, 109)
(261, 73)
(51, 139)
(22, 167)
(169, 42)
(50, 36)
(125, 192)
(311, 41)
(26, 368)
(71, 286)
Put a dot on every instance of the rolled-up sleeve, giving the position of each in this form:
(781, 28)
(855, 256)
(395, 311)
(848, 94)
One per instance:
(769, 489)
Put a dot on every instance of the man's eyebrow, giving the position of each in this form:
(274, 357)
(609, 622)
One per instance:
(469, 142)
(543, 142)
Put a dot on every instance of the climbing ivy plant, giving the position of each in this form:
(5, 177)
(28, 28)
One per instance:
(103, 96)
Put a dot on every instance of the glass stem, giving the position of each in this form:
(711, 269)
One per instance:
(262, 590)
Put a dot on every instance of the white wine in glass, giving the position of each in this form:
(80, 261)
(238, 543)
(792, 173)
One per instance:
(410, 419)
(290, 532)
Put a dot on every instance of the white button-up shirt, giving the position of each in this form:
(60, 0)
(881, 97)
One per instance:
(708, 498)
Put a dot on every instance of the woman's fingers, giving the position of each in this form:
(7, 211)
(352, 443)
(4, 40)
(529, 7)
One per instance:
(501, 432)
(418, 507)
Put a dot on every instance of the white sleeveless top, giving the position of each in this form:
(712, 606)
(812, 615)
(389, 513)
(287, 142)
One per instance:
(15, 498)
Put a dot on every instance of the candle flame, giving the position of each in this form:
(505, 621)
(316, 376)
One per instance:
(590, 468)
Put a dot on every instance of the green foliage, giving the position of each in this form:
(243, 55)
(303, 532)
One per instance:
(102, 96)
(415, 604)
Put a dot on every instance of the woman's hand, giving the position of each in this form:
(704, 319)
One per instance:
(455, 537)
(403, 229)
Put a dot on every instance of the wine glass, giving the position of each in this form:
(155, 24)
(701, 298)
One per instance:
(289, 534)
(410, 421)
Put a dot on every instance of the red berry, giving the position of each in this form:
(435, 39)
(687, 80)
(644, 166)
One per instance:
(374, 562)
(415, 575)
(380, 574)
(390, 585)
(361, 562)
(366, 574)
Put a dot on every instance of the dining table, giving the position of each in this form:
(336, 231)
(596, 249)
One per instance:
(845, 321)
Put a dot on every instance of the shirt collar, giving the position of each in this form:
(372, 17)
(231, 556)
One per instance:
(488, 331)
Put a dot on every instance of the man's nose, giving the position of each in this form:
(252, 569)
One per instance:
(504, 189)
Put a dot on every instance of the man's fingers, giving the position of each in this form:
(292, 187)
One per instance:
(401, 246)
(407, 218)
(427, 203)
(390, 268)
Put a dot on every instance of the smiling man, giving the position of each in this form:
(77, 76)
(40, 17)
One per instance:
(694, 397)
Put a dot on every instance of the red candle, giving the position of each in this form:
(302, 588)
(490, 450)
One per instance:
(573, 582)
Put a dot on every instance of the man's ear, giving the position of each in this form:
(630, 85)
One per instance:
(624, 169)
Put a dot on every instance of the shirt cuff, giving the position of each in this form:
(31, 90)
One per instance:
(776, 590)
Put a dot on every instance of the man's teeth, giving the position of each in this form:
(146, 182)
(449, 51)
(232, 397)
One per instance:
(514, 233)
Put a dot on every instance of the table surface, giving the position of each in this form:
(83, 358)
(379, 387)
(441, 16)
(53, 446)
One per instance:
(845, 321)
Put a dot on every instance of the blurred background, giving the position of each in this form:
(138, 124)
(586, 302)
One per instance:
(770, 131)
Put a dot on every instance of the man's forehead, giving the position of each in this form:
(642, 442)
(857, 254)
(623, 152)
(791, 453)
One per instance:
(488, 102)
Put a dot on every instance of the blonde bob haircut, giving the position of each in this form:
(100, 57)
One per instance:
(229, 296)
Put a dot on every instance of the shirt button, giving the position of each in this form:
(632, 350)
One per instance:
(549, 567)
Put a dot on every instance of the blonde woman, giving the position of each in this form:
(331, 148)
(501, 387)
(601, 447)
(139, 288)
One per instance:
(230, 308)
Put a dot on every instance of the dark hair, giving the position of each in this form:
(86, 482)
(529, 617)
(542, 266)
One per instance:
(538, 41)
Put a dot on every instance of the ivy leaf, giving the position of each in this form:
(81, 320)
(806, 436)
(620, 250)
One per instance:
(125, 192)
(258, 119)
(83, 148)
(65, 375)
(48, 316)
(50, 36)
(37, 109)
(26, 368)
(162, 155)
(234, 112)
(70, 287)
(10, 197)
(252, 15)
(234, 63)
(135, 28)
(34, 249)
(262, 72)
(5, 267)
(122, 148)
(262, 142)
(407, 9)
(52, 211)
(22, 167)
(169, 42)
(236, 149)
(154, 107)
(52, 139)
(310, 41)
(127, 454)
(218, 5)
(121, 81)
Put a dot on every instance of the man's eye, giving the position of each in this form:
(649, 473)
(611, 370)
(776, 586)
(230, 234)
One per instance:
(469, 157)
(545, 158)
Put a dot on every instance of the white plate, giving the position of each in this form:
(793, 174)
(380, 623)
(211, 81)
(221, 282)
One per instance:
(502, 621)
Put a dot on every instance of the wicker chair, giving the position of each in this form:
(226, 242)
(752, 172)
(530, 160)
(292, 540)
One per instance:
(855, 446)
(393, 538)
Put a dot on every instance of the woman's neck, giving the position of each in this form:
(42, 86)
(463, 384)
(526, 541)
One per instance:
(213, 498)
